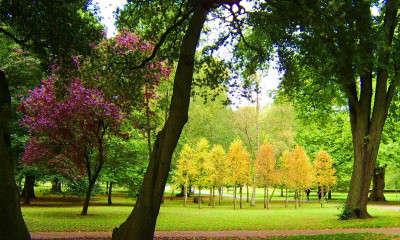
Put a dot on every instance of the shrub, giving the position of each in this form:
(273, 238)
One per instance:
(345, 212)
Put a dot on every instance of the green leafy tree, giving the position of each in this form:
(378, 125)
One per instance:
(348, 49)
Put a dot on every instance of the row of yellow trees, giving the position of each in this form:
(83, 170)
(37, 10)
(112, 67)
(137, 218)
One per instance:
(205, 167)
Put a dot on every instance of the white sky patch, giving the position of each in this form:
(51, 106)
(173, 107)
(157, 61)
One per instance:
(107, 10)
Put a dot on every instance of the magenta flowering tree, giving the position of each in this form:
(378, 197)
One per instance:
(70, 133)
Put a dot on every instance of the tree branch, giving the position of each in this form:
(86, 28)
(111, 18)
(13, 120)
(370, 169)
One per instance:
(9, 35)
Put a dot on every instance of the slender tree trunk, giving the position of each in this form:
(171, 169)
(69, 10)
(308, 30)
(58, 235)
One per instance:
(87, 198)
(56, 186)
(29, 188)
(222, 193)
(296, 198)
(282, 191)
(247, 192)
(211, 197)
(141, 222)
(12, 223)
(219, 195)
(330, 194)
(286, 202)
(378, 184)
(213, 203)
(253, 193)
(234, 197)
(265, 197)
(241, 195)
(199, 197)
(107, 188)
(186, 196)
(172, 194)
(110, 193)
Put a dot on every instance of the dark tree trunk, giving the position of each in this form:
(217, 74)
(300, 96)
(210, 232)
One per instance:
(110, 194)
(330, 194)
(107, 187)
(87, 198)
(378, 184)
(12, 223)
(241, 194)
(141, 222)
(56, 186)
(29, 188)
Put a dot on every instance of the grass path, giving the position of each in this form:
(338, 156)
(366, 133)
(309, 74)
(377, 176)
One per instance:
(218, 234)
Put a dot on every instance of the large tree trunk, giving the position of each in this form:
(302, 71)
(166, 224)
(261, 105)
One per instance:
(141, 222)
(29, 188)
(378, 184)
(87, 198)
(367, 125)
(12, 223)
(110, 194)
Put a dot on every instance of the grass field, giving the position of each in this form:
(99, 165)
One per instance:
(50, 213)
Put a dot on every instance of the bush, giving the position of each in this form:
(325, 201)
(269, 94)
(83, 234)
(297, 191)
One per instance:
(79, 187)
(345, 212)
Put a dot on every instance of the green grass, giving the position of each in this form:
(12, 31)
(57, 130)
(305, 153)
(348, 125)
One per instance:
(62, 214)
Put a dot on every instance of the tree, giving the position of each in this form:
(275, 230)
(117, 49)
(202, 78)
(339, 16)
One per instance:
(199, 166)
(265, 167)
(72, 132)
(324, 173)
(52, 31)
(239, 164)
(216, 169)
(185, 169)
(342, 43)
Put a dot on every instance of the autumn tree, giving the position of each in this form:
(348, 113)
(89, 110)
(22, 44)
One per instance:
(200, 174)
(185, 169)
(216, 171)
(265, 168)
(324, 173)
(70, 133)
(238, 164)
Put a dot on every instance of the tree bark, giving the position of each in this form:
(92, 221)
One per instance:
(186, 196)
(110, 193)
(29, 188)
(219, 195)
(141, 222)
(241, 194)
(265, 197)
(200, 198)
(378, 184)
(253, 193)
(12, 223)
(234, 197)
(286, 202)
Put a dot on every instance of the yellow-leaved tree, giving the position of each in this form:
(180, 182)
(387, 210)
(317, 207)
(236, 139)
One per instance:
(184, 174)
(200, 173)
(324, 173)
(301, 172)
(265, 169)
(239, 168)
(216, 171)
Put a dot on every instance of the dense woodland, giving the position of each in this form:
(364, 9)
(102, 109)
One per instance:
(156, 104)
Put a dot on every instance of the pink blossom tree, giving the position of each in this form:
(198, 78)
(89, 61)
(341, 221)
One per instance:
(70, 133)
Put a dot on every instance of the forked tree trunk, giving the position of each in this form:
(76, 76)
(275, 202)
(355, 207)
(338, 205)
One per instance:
(378, 184)
(110, 194)
(141, 222)
(12, 223)
(367, 125)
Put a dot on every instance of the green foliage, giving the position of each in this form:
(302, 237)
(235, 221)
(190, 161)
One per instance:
(79, 188)
(345, 212)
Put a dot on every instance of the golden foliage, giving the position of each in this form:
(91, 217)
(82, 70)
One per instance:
(265, 165)
(238, 164)
(323, 170)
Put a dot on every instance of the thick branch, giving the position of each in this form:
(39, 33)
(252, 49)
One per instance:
(9, 35)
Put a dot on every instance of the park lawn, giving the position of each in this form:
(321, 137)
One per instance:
(55, 214)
